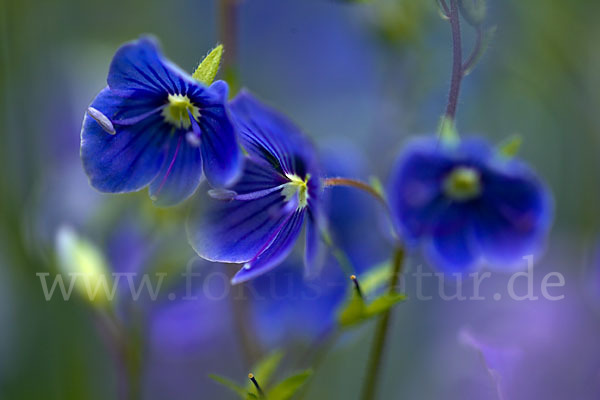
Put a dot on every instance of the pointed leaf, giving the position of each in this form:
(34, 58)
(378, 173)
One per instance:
(285, 389)
(230, 384)
(510, 147)
(265, 369)
(353, 312)
(207, 70)
(383, 303)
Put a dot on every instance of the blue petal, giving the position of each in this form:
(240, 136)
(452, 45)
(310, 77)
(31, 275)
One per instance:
(451, 247)
(221, 155)
(128, 160)
(276, 251)
(513, 216)
(415, 188)
(221, 89)
(236, 231)
(180, 174)
(139, 65)
(267, 134)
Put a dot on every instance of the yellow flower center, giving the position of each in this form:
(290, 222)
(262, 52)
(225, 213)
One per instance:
(176, 112)
(462, 184)
(296, 186)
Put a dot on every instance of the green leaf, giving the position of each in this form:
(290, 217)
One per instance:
(486, 39)
(473, 11)
(231, 385)
(448, 132)
(264, 369)
(383, 303)
(353, 312)
(207, 70)
(251, 396)
(285, 389)
(375, 278)
(510, 147)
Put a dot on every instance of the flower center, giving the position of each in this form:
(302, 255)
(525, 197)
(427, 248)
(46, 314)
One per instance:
(462, 184)
(176, 112)
(298, 186)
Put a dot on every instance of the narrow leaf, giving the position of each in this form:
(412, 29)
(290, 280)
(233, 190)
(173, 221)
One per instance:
(285, 389)
(231, 385)
(265, 369)
(207, 70)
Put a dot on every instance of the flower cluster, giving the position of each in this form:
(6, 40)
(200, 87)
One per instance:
(156, 125)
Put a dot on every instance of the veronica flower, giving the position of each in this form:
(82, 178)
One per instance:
(467, 204)
(155, 125)
(258, 221)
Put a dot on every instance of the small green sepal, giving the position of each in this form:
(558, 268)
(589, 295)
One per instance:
(510, 146)
(207, 70)
(448, 133)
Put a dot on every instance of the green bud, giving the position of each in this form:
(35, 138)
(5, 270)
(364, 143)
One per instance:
(473, 11)
(83, 261)
(207, 70)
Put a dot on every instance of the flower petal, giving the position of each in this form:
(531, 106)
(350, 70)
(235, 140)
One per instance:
(513, 216)
(276, 252)
(451, 246)
(139, 65)
(415, 187)
(221, 155)
(126, 161)
(235, 231)
(267, 134)
(180, 173)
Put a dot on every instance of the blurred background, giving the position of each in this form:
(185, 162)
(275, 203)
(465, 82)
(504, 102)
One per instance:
(359, 78)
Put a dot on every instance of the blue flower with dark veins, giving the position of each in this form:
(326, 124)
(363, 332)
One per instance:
(156, 125)
(258, 220)
(467, 204)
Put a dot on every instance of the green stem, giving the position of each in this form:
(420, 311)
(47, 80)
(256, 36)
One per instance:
(381, 333)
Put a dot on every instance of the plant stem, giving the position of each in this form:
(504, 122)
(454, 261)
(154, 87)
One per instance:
(330, 182)
(457, 69)
(381, 333)
(228, 34)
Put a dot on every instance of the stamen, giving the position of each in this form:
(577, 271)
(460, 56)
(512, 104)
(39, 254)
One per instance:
(222, 194)
(357, 286)
(192, 139)
(298, 186)
(102, 120)
(256, 385)
(177, 111)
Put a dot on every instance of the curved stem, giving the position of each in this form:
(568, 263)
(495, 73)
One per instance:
(330, 182)
(381, 333)
(474, 53)
(457, 69)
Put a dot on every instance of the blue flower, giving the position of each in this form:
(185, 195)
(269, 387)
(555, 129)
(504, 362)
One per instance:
(466, 204)
(155, 125)
(258, 221)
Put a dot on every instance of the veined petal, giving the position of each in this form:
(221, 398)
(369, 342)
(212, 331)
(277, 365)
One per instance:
(267, 134)
(276, 252)
(140, 65)
(236, 231)
(126, 161)
(221, 155)
(180, 173)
